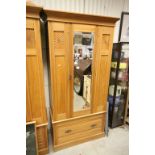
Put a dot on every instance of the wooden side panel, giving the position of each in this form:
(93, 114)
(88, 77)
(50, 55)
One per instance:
(42, 139)
(59, 68)
(28, 106)
(101, 80)
(103, 86)
(35, 100)
(34, 87)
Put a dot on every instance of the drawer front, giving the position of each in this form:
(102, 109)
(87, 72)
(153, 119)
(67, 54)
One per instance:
(78, 127)
(79, 135)
(73, 130)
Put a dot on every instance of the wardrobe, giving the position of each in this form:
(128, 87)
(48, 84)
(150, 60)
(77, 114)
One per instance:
(80, 48)
(35, 98)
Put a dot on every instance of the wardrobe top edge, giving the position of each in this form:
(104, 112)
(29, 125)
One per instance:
(33, 10)
(79, 16)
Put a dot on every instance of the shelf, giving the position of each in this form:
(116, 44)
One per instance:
(120, 69)
(122, 80)
(124, 59)
(114, 59)
(119, 76)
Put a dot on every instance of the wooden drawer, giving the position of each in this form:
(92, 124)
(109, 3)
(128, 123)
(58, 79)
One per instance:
(79, 128)
(76, 136)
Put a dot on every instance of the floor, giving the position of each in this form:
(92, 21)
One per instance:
(117, 143)
(79, 102)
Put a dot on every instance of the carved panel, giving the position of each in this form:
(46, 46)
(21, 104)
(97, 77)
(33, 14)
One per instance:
(105, 41)
(30, 38)
(59, 40)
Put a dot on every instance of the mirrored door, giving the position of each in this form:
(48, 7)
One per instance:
(83, 46)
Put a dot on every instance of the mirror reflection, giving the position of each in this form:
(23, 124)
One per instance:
(83, 55)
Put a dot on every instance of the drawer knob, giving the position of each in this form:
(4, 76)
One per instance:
(93, 125)
(68, 131)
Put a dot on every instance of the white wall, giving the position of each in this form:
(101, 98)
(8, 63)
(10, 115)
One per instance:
(99, 7)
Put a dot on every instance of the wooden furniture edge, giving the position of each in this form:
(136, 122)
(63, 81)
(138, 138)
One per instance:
(74, 118)
(43, 124)
(70, 14)
(33, 10)
(72, 17)
(32, 122)
(80, 140)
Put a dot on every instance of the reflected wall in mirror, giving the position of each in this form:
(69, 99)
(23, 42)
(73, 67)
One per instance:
(83, 55)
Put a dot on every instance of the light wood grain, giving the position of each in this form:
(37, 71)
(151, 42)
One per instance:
(69, 127)
(28, 106)
(32, 10)
(102, 67)
(73, 130)
(76, 128)
(58, 53)
(80, 140)
(35, 97)
(79, 18)
(34, 74)
(77, 117)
